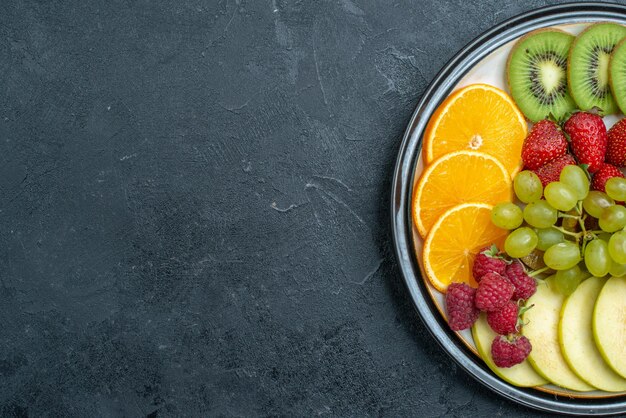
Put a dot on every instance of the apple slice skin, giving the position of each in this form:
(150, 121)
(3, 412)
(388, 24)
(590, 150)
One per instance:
(609, 324)
(522, 375)
(542, 323)
(577, 341)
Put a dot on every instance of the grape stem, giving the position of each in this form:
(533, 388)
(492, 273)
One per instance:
(576, 235)
(567, 215)
(536, 272)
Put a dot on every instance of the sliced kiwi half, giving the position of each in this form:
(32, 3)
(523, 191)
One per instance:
(588, 66)
(617, 75)
(537, 74)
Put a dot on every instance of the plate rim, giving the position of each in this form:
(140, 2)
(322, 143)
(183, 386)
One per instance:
(403, 179)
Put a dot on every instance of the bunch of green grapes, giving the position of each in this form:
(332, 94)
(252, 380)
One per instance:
(556, 224)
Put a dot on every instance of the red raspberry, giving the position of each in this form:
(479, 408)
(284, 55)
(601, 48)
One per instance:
(604, 173)
(504, 321)
(493, 292)
(525, 286)
(488, 261)
(460, 306)
(507, 353)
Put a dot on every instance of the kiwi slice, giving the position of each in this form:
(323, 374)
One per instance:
(537, 74)
(617, 75)
(588, 66)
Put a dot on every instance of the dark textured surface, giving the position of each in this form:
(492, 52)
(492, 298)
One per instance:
(194, 215)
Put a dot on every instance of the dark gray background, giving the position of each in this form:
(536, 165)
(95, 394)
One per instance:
(194, 208)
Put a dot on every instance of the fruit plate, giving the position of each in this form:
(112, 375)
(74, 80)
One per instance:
(483, 61)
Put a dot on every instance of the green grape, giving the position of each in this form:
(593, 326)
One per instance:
(506, 215)
(616, 188)
(612, 218)
(566, 281)
(577, 179)
(617, 269)
(597, 259)
(562, 256)
(560, 196)
(605, 236)
(548, 237)
(520, 242)
(595, 202)
(527, 186)
(540, 214)
(617, 247)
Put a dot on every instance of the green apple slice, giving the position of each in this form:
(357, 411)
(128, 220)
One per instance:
(519, 375)
(609, 324)
(577, 342)
(542, 323)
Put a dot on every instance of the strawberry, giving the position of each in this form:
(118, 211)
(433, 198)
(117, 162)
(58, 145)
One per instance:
(616, 148)
(507, 353)
(505, 320)
(460, 306)
(544, 143)
(551, 171)
(488, 261)
(588, 139)
(525, 286)
(493, 292)
(601, 176)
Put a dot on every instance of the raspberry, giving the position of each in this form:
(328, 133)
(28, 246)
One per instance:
(460, 306)
(493, 292)
(504, 321)
(525, 286)
(507, 353)
(488, 261)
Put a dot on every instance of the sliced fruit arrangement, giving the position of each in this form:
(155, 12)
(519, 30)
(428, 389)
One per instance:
(478, 117)
(609, 324)
(617, 74)
(537, 74)
(577, 342)
(453, 242)
(499, 207)
(455, 178)
(542, 328)
(521, 374)
(588, 66)
(552, 73)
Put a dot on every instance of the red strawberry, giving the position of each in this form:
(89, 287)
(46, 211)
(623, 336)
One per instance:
(544, 143)
(616, 148)
(488, 261)
(507, 353)
(605, 172)
(460, 306)
(525, 286)
(493, 292)
(505, 320)
(588, 139)
(551, 171)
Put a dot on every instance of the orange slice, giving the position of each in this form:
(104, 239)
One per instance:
(478, 117)
(458, 177)
(455, 239)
